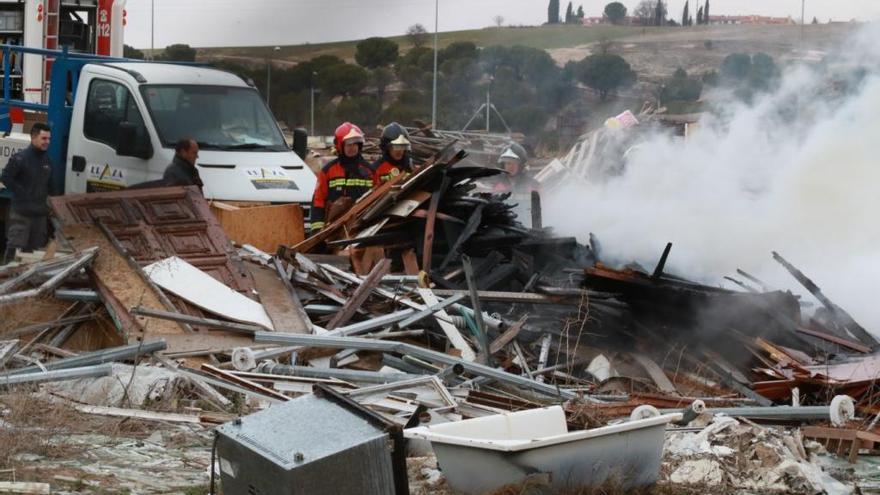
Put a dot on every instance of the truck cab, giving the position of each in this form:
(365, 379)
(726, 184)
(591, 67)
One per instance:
(127, 116)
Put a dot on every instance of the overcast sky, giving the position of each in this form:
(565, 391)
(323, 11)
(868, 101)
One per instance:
(288, 22)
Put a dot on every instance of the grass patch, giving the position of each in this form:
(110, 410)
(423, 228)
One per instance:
(544, 37)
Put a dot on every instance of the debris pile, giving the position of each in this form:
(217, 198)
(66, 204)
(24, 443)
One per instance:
(429, 303)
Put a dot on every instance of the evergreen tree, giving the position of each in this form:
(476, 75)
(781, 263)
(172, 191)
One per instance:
(580, 12)
(686, 15)
(569, 14)
(706, 13)
(659, 13)
(700, 16)
(553, 12)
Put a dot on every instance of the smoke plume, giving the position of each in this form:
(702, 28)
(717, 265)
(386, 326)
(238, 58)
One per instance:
(797, 172)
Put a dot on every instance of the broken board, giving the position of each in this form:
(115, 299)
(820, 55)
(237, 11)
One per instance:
(121, 282)
(197, 287)
(264, 227)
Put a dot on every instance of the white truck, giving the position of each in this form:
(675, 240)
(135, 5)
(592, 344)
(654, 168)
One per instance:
(125, 118)
(117, 125)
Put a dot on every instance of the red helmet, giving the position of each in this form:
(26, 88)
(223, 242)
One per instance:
(347, 132)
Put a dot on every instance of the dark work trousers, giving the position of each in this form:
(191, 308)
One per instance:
(25, 234)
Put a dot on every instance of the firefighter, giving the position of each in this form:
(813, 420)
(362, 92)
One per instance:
(342, 181)
(516, 180)
(395, 158)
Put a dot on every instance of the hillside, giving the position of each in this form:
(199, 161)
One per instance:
(544, 37)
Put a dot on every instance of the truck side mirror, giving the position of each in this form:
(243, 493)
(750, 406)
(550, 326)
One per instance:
(131, 143)
(300, 142)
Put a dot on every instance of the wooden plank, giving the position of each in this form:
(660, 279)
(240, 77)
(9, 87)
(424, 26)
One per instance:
(839, 314)
(849, 344)
(119, 286)
(508, 335)
(264, 227)
(135, 267)
(409, 204)
(469, 230)
(655, 372)
(511, 297)
(360, 294)
(410, 261)
(359, 207)
(364, 259)
(277, 300)
(25, 488)
(455, 338)
(430, 224)
(119, 412)
(294, 297)
(242, 328)
(243, 383)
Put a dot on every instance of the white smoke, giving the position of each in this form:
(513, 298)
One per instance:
(804, 182)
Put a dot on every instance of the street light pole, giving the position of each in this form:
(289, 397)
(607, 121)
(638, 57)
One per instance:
(434, 98)
(269, 75)
(312, 105)
(488, 106)
(152, 29)
(803, 19)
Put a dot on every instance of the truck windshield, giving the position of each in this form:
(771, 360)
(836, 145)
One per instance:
(218, 117)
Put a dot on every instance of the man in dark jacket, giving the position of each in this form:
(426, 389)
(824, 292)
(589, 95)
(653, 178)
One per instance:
(27, 176)
(182, 171)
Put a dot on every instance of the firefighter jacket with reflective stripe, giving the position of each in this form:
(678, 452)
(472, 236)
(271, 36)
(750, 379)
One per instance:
(345, 177)
(385, 168)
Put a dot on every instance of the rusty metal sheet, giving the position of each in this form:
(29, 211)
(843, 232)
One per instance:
(153, 224)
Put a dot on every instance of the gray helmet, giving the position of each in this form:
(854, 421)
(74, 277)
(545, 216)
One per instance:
(515, 152)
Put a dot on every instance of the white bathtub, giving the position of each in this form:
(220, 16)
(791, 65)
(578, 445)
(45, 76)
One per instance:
(483, 454)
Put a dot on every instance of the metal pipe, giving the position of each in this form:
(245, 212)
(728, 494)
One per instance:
(84, 258)
(450, 372)
(341, 374)
(399, 364)
(96, 357)
(400, 279)
(782, 413)
(322, 309)
(430, 311)
(58, 375)
(407, 349)
(366, 326)
(77, 295)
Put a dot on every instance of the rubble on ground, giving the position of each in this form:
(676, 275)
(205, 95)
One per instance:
(429, 302)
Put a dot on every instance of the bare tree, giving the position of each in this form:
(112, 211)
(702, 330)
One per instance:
(645, 12)
(417, 35)
(498, 20)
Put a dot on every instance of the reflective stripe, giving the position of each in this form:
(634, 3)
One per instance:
(350, 182)
(317, 225)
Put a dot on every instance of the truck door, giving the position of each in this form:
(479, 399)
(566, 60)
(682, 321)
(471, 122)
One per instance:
(109, 108)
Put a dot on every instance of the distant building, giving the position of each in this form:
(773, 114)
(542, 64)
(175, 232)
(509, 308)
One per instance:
(751, 19)
(713, 19)
(596, 21)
